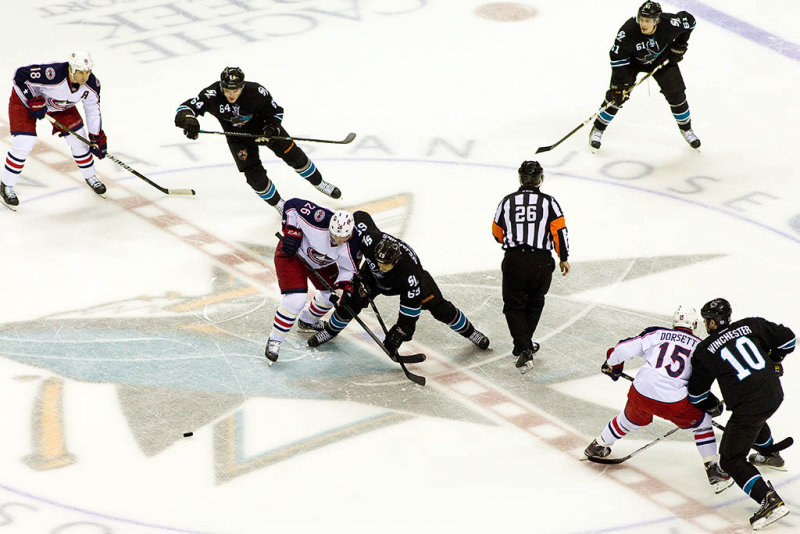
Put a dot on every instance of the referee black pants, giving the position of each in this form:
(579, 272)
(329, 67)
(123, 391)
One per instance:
(527, 274)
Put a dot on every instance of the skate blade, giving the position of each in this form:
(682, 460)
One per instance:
(776, 514)
(719, 487)
(9, 206)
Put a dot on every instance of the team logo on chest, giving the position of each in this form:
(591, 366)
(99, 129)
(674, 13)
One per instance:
(318, 257)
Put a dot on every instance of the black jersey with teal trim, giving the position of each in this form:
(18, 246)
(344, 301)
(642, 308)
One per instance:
(252, 111)
(634, 51)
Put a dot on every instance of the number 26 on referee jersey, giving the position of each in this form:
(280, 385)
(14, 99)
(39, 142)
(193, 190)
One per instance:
(525, 214)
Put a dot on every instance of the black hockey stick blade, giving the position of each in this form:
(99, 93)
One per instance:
(259, 138)
(410, 358)
(606, 461)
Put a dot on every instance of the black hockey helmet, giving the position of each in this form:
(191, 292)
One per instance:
(649, 10)
(387, 251)
(231, 78)
(531, 173)
(719, 310)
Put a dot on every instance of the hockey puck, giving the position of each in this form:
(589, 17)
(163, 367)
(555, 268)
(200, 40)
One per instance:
(188, 434)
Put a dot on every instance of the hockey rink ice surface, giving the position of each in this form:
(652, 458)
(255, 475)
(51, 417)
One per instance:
(129, 320)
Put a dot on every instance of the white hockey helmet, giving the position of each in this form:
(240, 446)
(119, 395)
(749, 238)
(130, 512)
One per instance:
(685, 317)
(342, 224)
(80, 60)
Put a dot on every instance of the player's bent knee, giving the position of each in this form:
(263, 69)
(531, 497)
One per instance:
(257, 178)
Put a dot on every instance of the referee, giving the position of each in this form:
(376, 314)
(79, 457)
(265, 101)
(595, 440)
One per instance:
(529, 224)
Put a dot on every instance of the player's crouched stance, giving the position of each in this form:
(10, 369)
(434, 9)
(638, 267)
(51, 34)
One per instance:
(660, 388)
(744, 357)
(313, 237)
(54, 89)
(391, 267)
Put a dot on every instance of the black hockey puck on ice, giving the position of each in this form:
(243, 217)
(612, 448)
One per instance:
(188, 434)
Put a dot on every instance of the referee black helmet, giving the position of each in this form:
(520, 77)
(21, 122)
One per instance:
(531, 173)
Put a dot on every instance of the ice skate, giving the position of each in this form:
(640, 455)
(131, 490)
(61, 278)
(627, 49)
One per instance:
(480, 340)
(271, 352)
(9, 196)
(319, 338)
(596, 450)
(329, 189)
(719, 479)
(691, 138)
(771, 509)
(316, 326)
(595, 138)
(96, 185)
(773, 460)
(525, 361)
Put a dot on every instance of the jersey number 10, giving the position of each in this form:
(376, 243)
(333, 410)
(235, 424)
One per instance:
(749, 355)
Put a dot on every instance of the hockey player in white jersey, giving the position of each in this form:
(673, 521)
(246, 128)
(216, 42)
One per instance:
(325, 242)
(660, 388)
(54, 89)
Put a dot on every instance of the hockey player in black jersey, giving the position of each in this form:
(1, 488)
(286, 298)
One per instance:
(391, 267)
(744, 357)
(643, 43)
(247, 107)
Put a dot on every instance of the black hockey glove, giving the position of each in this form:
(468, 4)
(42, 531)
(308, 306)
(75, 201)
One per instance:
(346, 287)
(676, 55)
(186, 120)
(712, 405)
(292, 237)
(619, 92)
(394, 338)
(272, 129)
(614, 372)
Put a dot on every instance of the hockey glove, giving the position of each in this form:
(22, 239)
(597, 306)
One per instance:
(613, 371)
(100, 148)
(346, 287)
(712, 405)
(272, 129)
(394, 338)
(676, 55)
(619, 92)
(38, 107)
(186, 120)
(292, 237)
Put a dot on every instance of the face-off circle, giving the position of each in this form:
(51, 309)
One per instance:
(506, 11)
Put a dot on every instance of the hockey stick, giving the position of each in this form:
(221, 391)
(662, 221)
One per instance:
(411, 376)
(599, 460)
(264, 138)
(587, 121)
(785, 443)
(122, 163)
(411, 358)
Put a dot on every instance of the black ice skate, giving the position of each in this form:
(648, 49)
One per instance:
(319, 338)
(271, 352)
(719, 479)
(773, 460)
(316, 326)
(771, 509)
(479, 339)
(96, 185)
(691, 138)
(525, 361)
(9, 196)
(329, 189)
(595, 138)
(596, 450)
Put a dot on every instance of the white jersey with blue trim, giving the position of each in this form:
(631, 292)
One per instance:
(51, 81)
(316, 246)
(667, 361)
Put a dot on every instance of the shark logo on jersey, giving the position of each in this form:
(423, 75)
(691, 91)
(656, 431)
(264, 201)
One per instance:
(651, 50)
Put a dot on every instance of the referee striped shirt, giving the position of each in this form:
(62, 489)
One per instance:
(530, 218)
